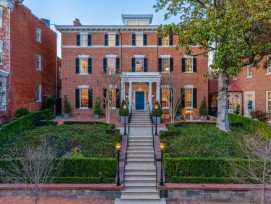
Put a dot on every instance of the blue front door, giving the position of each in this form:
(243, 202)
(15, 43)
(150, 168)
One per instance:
(140, 96)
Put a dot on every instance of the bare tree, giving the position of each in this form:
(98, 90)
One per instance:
(257, 167)
(172, 84)
(35, 168)
(110, 83)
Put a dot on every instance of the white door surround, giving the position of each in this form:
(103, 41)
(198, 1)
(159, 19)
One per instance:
(249, 102)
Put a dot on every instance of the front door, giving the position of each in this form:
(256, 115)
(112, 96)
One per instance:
(140, 98)
(249, 103)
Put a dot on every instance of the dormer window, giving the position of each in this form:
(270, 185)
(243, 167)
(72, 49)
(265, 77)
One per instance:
(137, 19)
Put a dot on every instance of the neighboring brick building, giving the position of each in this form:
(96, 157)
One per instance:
(28, 58)
(134, 49)
(251, 88)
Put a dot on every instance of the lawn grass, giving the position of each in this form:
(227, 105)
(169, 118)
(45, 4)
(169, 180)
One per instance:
(206, 140)
(91, 140)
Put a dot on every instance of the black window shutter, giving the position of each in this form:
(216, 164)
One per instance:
(89, 65)
(106, 40)
(77, 61)
(77, 98)
(133, 64)
(78, 40)
(117, 98)
(89, 40)
(145, 64)
(194, 64)
(117, 40)
(159, 41)
(160, 65)
(183, 64)
(104, 94)
(194, 98)
(170, 40)
(105, 65)
(117, 64)
(89, 98)
(145, 39)
(183, 97)
(133, 39)
(171, 64)
(160, 96)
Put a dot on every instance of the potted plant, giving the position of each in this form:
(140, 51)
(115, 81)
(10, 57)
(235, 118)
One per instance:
(97, 108)
(178, 111)
(123, 112)
(66, 108)
(156, 113)
(203, 110)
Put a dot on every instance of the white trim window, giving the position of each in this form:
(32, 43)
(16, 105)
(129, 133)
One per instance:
(166, 65)
(111, 39)
(38, 93)
(38, 35)
(83, 40)
(139, 39)
(189, 64)
(84, 98)
(1, 52)
(268, 102)
(1, 17)
(38, 62)
(268, 69)
(188, 100)
(249, 71)
(83, 65)
(165, 41)
(111, 65)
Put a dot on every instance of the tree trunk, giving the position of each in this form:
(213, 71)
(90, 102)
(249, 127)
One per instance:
(263, 194)
(222, 112)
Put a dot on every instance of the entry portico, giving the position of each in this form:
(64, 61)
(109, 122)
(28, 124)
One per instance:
(140, 89)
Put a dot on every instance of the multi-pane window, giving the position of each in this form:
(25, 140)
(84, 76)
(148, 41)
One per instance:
(165, 64)
(188, 64)
(249, 71)
(131, 23)
(84, 98)
(188, 100)
(38, 34)
(111, 40)
(112, 97)
(1, 52)
(139, 65)
(268, 103)
(84, 40)
(111, 65)
(165, 41)
(165, 97)
(139, 39)
(38, 93)
(38, 62)
(142, 22)
(84, 65)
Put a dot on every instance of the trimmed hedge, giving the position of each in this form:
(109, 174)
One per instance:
(23, 122)
(83, 170)
(253, 125)
(200, 167)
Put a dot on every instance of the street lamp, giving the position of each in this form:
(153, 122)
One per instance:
(162, 147)
(156, 107)
(125, 117)
(118, 146)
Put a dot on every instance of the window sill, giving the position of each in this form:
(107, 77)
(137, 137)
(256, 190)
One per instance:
(188, 108)
(83, 74)
(38, 70)
(165, 72)
(39, 101)
(248, 77)
(189, 72)
(83, 108)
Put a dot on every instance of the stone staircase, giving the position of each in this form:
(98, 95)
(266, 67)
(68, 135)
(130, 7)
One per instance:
(140, 171)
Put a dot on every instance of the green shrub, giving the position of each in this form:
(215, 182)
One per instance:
(97, 106)
(21, 112)
(123, 111)
(67, 105)
(237, 110)
(203, 110)
(85, 123)
(49, 102)
(168, 133)
(158, 111)
(260, 115)
(44, 123)
(82, 180)
(190, 179)
(256, 126)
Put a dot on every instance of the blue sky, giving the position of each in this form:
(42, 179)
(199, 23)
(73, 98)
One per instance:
(92, 12)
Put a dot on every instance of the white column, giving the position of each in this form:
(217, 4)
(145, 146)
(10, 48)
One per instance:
(130, 93)
(122, 91)
(150, 95)
(158, 92)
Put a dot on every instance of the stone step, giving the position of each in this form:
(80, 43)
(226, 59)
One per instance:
(140, 140)
(140, 148)
(139, 144)
(140, 178)
(140, 173)
(119, 201)
(140, 196)
(140, 153)
(140, 157)
(140, 160)
(131, 185)
(139, 125)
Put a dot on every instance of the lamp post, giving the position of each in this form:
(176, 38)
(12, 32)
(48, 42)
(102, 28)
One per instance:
(162, 147)
(118, 146)
(156, 107)
(125, 117)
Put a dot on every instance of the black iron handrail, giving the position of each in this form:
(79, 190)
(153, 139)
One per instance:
(153, 143)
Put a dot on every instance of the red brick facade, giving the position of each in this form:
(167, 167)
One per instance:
(125, 52)
(19, 58)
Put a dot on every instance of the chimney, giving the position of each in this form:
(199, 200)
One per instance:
(76, 22)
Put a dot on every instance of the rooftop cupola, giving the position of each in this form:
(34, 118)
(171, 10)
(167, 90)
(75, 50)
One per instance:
(137, 19)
